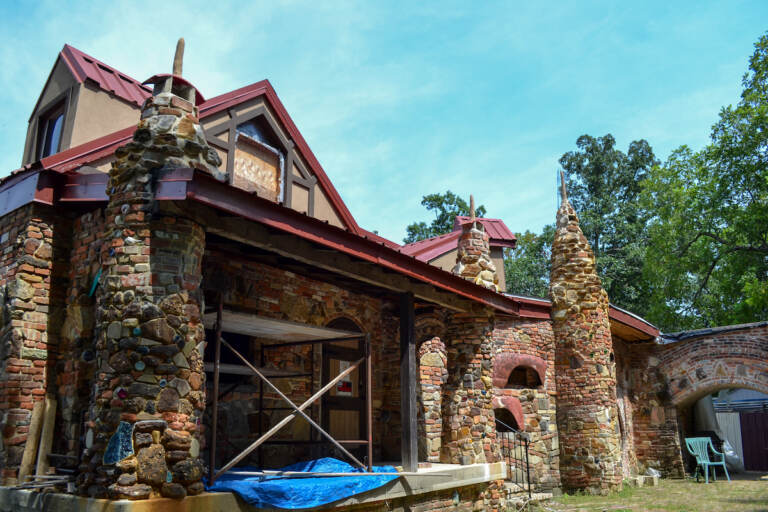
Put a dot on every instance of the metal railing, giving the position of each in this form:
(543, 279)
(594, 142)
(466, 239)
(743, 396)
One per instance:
(514, 446)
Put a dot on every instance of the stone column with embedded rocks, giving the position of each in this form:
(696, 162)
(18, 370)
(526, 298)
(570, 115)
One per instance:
(142, 431)
(432, 375)
(473, 259)
(469, 430)
(587, 421)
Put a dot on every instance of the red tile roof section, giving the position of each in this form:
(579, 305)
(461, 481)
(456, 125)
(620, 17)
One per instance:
(84, 67)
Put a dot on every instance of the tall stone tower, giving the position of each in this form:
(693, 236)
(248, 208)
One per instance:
(148, 396)
(587, 422)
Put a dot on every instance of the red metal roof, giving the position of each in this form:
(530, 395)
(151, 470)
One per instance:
(84, 67)
(498, 232)
(431, 248)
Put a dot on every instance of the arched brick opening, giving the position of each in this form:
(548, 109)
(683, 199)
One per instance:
(509, 408)
(505, 364)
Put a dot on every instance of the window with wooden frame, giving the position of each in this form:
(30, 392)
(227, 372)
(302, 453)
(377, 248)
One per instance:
(49, 128)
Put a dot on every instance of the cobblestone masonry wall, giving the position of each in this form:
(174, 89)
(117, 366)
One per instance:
(590, 453)
(76, 363)
(141, 435)
(30, 306)
(433, 372)
(469, 430)
(512, 338)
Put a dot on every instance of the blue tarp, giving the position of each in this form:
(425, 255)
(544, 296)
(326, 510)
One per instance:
(298, 493)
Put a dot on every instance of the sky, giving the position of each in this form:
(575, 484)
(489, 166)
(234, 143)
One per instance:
(402, 99)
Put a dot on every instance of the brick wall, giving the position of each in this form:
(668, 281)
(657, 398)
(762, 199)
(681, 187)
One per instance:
(513, 337)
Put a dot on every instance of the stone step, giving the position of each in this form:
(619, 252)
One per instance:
(643, 481)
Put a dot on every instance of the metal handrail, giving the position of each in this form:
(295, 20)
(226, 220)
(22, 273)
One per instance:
(520, 445)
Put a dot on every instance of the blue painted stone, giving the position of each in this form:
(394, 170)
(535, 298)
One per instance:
(136, 331)
(168, 476)
(139, 365)
(111, 252)
(162, 383)
(142, 349)
(120, 444)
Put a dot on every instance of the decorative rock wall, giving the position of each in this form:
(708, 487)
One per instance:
(27, 305)
(432, 376)
(590, 453)
(469, 429)
(141, 437)
(530, 343)
(76, 362)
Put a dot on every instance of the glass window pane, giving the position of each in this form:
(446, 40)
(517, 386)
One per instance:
(52, 135)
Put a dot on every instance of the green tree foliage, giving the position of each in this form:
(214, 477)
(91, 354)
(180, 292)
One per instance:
(604, 186)
(446, 207)
(708, 256)
(526, 268)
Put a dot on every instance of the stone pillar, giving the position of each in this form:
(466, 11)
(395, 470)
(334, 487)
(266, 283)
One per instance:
(27, 244)
(473, 259)
(432, 374)
(587, 420)
(147, 401)
(469, 430)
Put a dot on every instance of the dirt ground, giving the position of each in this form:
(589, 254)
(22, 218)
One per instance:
(747, 492)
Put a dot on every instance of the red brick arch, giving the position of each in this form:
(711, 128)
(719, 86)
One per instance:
(503, 364)
(731, 357)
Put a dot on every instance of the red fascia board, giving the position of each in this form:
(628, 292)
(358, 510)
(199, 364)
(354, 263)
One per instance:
(633, 322)
(206, 190)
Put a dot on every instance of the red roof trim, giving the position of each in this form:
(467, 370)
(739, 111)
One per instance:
(85, 67)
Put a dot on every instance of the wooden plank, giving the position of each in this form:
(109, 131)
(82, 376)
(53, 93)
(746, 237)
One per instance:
(409, 447)
(29, 456)
(46, 437)
(273, 328)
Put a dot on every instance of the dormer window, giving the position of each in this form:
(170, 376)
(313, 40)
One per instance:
(50, 126)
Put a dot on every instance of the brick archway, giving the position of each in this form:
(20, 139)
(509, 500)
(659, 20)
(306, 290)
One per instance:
(728, 357)
(503, 364)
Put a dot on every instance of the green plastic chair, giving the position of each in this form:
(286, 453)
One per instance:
(699, 447)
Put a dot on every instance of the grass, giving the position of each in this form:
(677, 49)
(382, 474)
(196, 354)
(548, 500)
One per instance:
(745, 493)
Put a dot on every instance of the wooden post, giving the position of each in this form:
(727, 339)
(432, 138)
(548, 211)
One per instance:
(46, 437)
(33, 438)
(216, 364)
(369, 400)
(408, 379)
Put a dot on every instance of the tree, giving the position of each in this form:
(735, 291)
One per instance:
(446, 207)
(604, 186)
(526, 268)
(708, 257)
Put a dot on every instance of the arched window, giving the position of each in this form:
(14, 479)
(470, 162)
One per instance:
(506, 422)
(523, 377)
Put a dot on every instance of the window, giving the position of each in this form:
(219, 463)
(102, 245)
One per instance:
(49, 128)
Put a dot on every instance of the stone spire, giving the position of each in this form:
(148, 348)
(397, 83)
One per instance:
(590, 453)
(473, 259)
(148, 397)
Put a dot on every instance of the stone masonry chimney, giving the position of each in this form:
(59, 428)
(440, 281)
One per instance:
(473, 260)
(590, 453)
(142, 433)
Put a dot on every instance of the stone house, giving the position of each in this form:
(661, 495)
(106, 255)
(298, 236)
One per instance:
(147, 222)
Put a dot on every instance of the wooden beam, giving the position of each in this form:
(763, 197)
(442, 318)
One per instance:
(29, 456)
(300, 250)
(408, 384)
(46, 437)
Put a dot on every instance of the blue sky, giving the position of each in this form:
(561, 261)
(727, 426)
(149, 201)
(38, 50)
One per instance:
(402, 99)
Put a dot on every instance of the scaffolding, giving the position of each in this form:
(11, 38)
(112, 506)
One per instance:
(264, 375)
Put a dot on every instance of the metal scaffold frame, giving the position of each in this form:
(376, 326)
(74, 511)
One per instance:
(298, 410)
